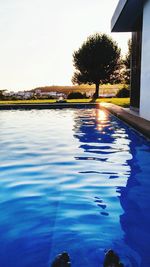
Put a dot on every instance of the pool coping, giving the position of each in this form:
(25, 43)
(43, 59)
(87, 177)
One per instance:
(45, 106)
(140, 124)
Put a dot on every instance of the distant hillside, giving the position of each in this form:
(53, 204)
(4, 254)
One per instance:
(82, 88)
(66, 89)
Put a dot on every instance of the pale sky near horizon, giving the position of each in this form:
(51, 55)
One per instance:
(38, 37)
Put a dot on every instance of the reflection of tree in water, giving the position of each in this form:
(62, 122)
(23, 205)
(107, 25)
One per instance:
(91, 128)
(135, 200)
(98, 136)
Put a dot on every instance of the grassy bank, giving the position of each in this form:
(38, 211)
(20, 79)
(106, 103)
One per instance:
(124, 102)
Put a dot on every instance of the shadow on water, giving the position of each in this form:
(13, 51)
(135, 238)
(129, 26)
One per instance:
(134, 197)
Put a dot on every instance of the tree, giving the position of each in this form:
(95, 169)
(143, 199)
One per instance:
(2, 94)
(127, 63)
(76, 95)
(96, 61)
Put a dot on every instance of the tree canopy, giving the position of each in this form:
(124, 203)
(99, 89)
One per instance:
(96, 61)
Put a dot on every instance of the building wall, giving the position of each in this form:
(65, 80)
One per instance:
(145, 64)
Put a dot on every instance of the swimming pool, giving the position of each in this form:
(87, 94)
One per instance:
(76, 180)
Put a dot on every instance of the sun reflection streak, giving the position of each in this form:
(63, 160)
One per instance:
(101, 118)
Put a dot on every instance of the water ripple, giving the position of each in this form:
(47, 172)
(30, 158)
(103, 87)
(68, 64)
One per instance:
(75, 180)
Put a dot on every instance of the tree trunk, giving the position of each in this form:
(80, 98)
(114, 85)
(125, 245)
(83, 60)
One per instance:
(97, 90)
(96, 94)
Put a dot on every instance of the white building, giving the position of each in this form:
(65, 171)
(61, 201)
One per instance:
(7, 93)
(45, 94)
(134, 16)
(24, 94)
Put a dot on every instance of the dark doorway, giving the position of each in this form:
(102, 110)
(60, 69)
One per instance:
(136, 65)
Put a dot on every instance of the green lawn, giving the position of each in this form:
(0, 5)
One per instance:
(40, 101)
(124, 102)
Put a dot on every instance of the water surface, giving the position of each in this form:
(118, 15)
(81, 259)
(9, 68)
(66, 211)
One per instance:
(75, 180)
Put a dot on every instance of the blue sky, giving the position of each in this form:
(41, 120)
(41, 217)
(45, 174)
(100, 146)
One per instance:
(39, 37)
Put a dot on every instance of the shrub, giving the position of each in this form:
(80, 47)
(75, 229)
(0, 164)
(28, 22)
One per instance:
(124, 92)
(76, 95)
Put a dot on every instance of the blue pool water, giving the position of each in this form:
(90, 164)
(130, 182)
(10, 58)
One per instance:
(76, 180)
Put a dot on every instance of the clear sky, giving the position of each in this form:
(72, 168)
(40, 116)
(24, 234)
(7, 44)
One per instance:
(38, 37)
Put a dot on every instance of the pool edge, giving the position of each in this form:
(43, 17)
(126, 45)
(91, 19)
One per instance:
(45, 106)
(140, 124)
